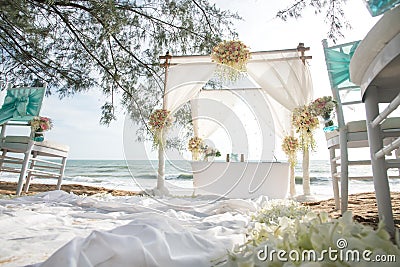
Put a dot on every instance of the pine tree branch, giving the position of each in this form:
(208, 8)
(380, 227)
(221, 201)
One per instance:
(72, 30)
(204, 14)
(25, 55)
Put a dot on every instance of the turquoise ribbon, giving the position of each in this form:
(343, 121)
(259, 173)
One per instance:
(338, 61)
(378, 7)
(22, 104)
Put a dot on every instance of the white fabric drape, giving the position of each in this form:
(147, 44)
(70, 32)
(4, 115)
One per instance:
(215, 118)
(210, 110)
(286, 81)
(185, 81)
(239, 121)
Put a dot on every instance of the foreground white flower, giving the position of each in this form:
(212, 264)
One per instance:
(288, 234)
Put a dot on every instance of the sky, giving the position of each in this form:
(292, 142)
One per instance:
(76, 119)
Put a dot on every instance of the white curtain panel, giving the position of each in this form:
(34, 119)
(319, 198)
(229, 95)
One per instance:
(285, 80)
(217, 118)
(185, 81)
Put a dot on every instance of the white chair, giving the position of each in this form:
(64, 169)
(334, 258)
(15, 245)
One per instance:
(350, 135)
(20, 153)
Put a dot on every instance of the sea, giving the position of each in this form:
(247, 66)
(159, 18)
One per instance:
(139, 175)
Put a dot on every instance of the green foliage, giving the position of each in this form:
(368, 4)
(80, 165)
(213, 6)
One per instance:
(333, 10)
(80, 45)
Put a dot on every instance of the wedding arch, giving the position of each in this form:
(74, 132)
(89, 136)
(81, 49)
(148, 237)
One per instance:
(281, 77)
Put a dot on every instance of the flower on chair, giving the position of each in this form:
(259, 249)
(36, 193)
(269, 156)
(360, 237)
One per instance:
(41, 124)
(323, 107)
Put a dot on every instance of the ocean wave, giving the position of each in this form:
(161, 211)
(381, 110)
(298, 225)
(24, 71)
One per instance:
(145, 176)
(83, 179)
(184, 176)
(313, 179)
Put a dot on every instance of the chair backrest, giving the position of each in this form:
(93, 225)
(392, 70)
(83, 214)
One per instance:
(378, 7)
(337, 60)
(22, 104)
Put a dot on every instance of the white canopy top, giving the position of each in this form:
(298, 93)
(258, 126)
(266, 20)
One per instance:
(280, 76)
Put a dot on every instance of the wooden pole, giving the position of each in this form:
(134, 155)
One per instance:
(306, 152)
(292, 181)
(306, 171)
(166, 64)
(301, 48)
(161, 152)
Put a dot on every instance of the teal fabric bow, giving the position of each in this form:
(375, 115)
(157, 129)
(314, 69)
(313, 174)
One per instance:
(22, 104)
(338, 61)
(378, 7)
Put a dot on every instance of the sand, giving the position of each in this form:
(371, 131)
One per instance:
(8, 188)
(363, 205)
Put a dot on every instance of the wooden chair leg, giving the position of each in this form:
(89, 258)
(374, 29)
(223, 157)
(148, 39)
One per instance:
(24, 168)
(344, 171)
(397, 154)
(3, 156)
(335, 179)
(28, 178)
(22, 174)
(62, 170)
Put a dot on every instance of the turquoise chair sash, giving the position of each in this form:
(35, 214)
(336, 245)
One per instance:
(378, 7)
(22, 104)
(338, 63)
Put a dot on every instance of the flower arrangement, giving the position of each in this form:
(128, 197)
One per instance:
(290, 145)
(323, 106)
(41, 124)
(233, 54)
(197, 147)
(210, 152)
(38, 126)
(292, 228)
(159, 120)
(305, 122)
(195, 144)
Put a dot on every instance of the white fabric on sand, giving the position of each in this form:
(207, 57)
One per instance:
(70, 230)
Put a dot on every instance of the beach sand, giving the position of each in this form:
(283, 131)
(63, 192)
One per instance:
(8, 188)
(362, 205)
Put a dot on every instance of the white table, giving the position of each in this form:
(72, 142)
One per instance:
(375, 67)
(241, 179)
